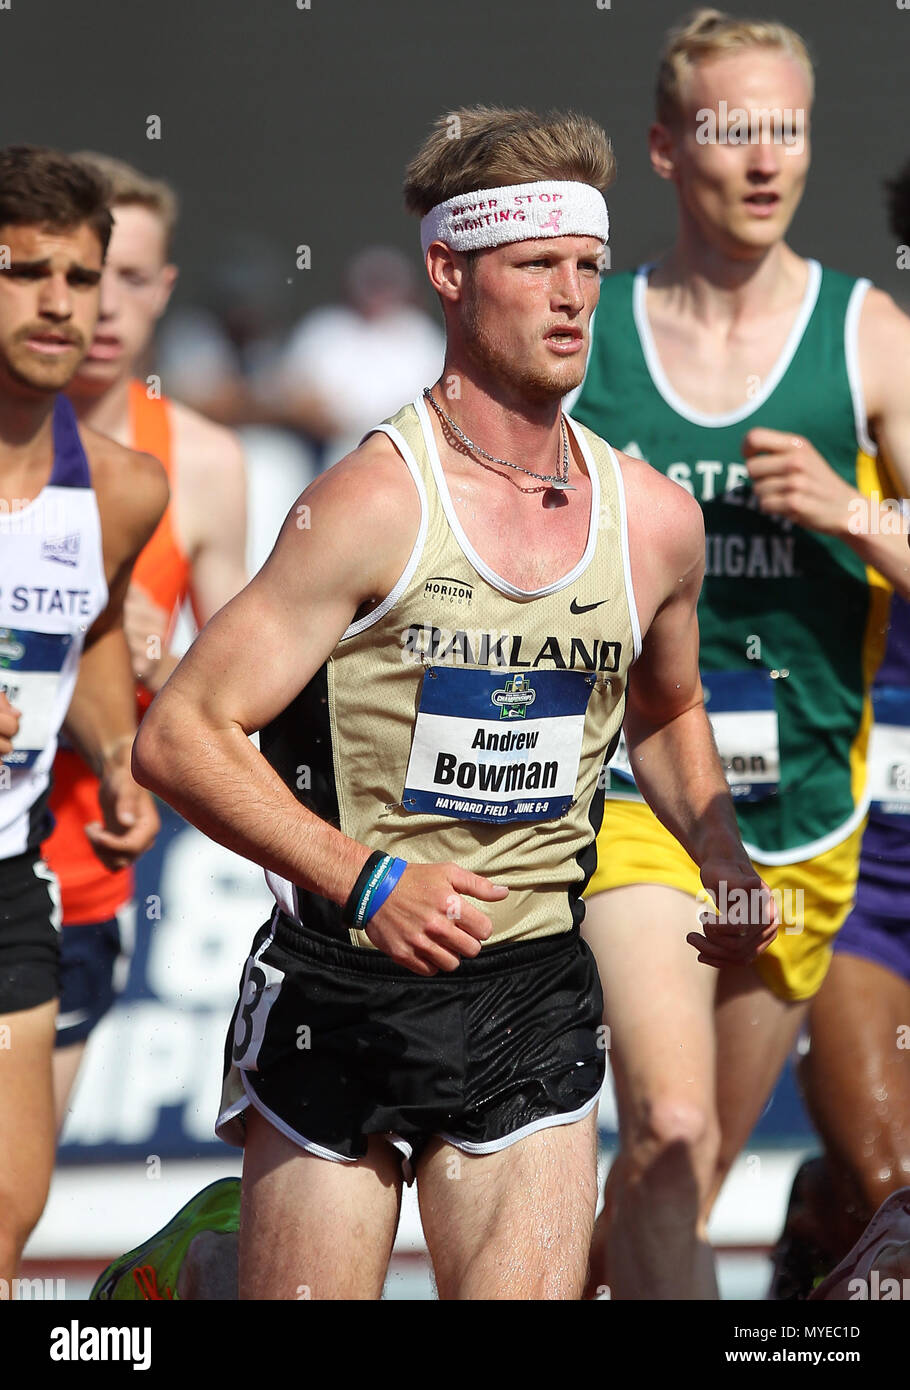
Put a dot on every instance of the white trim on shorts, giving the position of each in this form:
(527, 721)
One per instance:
(404, 1147)
(276, 1121)
(492, 1146)
(45, 874)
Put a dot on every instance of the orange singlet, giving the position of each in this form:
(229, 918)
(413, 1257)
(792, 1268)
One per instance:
(90, 892)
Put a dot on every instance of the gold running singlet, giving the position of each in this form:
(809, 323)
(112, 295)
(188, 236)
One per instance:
(465, 719)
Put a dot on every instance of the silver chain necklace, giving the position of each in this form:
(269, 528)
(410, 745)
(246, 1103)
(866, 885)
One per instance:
(561, 484)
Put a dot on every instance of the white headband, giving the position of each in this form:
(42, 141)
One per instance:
(521, 212)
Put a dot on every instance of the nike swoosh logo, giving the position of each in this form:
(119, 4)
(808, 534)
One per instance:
(576, 607)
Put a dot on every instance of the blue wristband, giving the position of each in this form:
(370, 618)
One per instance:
(385, 888)
(381, 866)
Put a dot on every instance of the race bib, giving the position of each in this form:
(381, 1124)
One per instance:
(30, 667)
(740, 706)
(496, 746)
(889, 752)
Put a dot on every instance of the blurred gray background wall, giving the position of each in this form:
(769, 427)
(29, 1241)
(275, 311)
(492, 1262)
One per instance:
(283, 126)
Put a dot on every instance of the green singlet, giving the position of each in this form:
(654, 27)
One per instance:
(792, 622)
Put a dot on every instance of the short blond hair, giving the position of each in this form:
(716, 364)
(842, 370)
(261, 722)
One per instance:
(131, 188)
(491, 147)
(712, 34)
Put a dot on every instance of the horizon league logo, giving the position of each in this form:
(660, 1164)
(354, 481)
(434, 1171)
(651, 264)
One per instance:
(459, 592)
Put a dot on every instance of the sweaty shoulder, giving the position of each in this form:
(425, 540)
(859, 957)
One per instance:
(666, 532)
(364, 511)
(132, 493)
(375, 480)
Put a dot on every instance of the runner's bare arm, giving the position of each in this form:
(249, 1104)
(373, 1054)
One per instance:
(792, 479)
(669, 738)
(252, 660)
(132, 493)
(884, 343)
(213, 491)
(209, 507)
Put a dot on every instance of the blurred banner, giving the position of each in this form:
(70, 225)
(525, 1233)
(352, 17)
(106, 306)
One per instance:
(151, 1079)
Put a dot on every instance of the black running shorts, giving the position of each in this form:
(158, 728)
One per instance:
(29, 933)
(333, 1043)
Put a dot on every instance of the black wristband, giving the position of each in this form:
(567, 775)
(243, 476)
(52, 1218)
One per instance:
(350, 907)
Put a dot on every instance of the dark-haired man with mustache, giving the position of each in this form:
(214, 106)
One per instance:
(75, 509)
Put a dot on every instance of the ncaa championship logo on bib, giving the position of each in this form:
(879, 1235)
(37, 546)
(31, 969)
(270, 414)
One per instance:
(497, 747)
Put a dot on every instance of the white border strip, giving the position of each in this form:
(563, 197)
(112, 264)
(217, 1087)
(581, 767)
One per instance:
(407, 573)
(626, 555)
(252, 1099)
(493, 1146)
(814, 847)
(282, 890)
(481, 567)
(45, 873)
(662, 384)
(854, 375)
(467, 1146)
